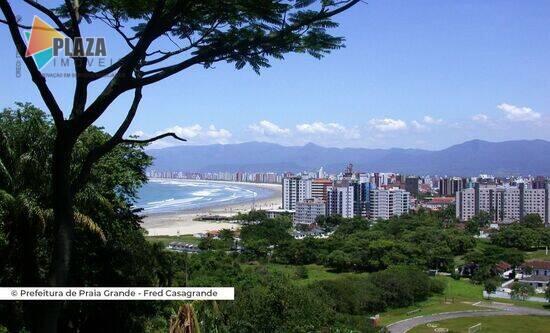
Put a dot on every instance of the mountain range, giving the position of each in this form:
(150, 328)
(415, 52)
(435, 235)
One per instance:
(520, 157)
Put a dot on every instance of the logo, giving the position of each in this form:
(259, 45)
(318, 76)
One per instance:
(44, 43)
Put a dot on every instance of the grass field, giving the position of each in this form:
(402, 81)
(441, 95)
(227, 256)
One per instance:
(539, 255)
(314, 273)
(501, 324)
(458, 296)
(167, 239)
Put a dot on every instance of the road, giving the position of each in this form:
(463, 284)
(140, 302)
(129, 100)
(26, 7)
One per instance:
(496, 309)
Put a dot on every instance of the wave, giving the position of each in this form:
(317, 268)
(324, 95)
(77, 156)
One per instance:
(169, 195)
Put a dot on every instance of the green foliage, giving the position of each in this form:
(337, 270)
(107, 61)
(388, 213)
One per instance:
(397, 286)
(301, 272)
(252, 216)
(521, 291)
(339, 260)
(299, 252)
(479, 221)
(533, 221)
(241, 32)
(260, 237)
(420, 238)
(526, 236)
(109, 247)
(490, 285)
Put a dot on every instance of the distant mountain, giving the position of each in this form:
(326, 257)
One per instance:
(522, 157)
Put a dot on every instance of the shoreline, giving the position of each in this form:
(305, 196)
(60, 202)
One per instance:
(183, 223)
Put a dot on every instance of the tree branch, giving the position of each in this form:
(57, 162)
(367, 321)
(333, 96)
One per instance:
(158, 137)
(36, 76)
(122, 82)
(164, 72)
(28, 27)
(80, 63)
(97, 153)
(50, 14)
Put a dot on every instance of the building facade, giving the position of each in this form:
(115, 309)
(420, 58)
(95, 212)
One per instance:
(384, 204)
(319, 188)
(505, 204)
(411, 185)
(308, 210)
(448, 187)
(295, 189)
(340, 199)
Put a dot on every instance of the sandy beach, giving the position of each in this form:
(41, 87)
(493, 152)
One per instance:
(182, 223)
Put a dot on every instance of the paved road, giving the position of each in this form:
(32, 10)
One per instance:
(495, 310)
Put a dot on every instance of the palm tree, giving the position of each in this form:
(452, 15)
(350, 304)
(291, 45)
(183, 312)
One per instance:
(25, 137)
(185, 320)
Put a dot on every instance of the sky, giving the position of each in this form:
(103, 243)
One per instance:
(414, 74)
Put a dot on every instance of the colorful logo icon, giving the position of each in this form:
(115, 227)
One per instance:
(40, 42)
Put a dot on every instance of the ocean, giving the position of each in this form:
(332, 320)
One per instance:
(179, 195)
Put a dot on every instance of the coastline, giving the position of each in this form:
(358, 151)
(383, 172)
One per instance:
(182, 223)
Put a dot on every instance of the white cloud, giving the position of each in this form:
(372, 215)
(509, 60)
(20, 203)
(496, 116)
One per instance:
(516, 113)
(432, 121)
(480, 118)
(220, 135)
(388, 124)
(418, 126)
(195, 134)
(187, 132)
(318, 127)
(268, 128)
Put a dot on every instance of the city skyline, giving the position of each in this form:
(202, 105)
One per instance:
(473, 72)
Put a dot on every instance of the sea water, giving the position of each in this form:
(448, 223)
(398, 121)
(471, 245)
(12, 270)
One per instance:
(178, 195)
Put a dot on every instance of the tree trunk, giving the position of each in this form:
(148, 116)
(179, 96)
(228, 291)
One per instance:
(62, 197)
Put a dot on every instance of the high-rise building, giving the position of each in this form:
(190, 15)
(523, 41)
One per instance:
(308, 210)
(340, 199)
(411, 185)
(538, 183)
(319, 188)
(505, 204)
(295, 189)
(321, 173)
(449, 186)
(384, 204)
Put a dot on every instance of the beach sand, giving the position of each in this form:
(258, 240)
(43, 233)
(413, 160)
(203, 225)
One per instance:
(182, 223)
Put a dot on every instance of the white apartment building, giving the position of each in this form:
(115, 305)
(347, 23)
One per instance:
(506, 204)
(308, 210)
(384, 204)
(295, 189)
(340, 199)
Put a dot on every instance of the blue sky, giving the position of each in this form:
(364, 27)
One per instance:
(414, 74)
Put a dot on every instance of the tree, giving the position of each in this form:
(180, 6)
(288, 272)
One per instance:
(518, 236)
(479, 221)
(533, 221)
(109, 247)
(240, 32)
(339, 260)
(490, 286)
(521, 290)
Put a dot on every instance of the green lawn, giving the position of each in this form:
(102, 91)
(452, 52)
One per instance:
(314, 272)
(501, 324)
(458, 296)
(167, 239)
(539, 254)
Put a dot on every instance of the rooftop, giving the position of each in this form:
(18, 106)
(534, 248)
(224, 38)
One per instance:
(538, 264)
